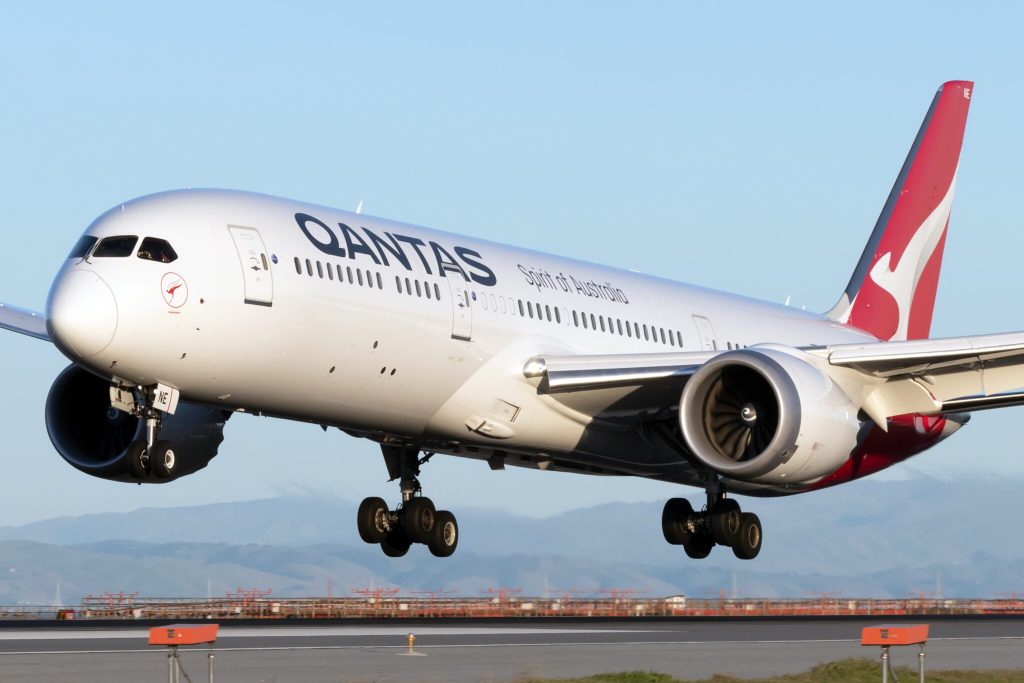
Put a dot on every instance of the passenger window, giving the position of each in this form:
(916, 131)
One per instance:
(437, 292)
(558, 316)
(82, 246)
(298, 265)
(529, 307)
(320, 270)
(341, 275)
(398, 284)
(359, 276)
(309, 268)
(380, 283)
(122, 245)
(154, 249)
(575, 319)
(330, 272)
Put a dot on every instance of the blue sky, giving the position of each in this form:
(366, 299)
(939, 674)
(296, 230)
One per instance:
(746, 147)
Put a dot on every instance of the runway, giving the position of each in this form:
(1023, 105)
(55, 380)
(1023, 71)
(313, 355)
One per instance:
(470, 652)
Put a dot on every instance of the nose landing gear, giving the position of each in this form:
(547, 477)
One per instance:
(148, 455)
(416, 520)
(721, 522)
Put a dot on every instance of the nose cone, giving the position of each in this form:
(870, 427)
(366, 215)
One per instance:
(81, 314)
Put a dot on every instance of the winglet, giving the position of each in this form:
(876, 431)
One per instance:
(892, 291)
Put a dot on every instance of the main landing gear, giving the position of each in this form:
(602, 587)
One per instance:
(415, 521)
(721, 522)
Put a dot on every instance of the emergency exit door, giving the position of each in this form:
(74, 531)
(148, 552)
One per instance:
(259, 284)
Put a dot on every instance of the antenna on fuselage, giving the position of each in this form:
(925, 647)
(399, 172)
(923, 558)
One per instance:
(359, 209)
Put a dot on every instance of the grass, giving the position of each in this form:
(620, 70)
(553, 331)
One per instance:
(845, 671)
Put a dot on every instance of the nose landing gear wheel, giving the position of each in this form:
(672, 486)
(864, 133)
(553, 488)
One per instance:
(445, 535)
(162, 460)
(371, 520)
(138, 460)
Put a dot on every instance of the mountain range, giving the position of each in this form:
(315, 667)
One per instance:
(867, 539)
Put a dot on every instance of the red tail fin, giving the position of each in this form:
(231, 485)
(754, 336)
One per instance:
(892, 291)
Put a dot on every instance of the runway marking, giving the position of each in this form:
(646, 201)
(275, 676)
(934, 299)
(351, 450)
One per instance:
(302, 648)
(357, 632)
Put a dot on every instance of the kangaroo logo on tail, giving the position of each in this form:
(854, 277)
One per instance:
(892, 291)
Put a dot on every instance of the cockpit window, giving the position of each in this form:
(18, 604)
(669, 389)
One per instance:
(154, 249)
(83, 246)
(122, 245)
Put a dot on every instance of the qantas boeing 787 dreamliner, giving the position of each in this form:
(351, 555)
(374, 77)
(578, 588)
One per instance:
(180, 308)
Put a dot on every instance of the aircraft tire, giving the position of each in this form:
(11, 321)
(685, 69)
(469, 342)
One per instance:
(748, 542)
(163, 461)
(396, 543)
(725, 522)
(418, 517)
(136, 455)
(445, 536)
(699, 545)
(369, 520)
(673, 520)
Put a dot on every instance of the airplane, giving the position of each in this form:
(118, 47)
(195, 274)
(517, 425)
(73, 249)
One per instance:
(181, 308)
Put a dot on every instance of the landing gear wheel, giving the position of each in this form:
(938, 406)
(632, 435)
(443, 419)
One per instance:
(370, 520)
(748, 541)
(163, 460)
(396, 543)
(445, 535)
(418, 517)
(674, 518)
(725, 522)
(137, 459)
(699, 545)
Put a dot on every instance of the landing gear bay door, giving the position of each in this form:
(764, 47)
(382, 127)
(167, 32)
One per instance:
(259, 284)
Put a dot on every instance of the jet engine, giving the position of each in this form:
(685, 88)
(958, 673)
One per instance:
(764, 415)
(94, 437)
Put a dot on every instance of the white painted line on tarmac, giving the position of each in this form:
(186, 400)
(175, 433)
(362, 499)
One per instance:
(300, 632)
(302, 648)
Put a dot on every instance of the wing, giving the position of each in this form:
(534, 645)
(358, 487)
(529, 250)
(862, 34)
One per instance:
(620, 387)
(23, 321)
(927, 376)
(933, 376)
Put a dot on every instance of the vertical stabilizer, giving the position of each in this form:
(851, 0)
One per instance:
(892, 291)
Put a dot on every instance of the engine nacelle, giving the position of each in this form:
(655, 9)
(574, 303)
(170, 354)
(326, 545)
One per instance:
(94, 437)
(766, 416)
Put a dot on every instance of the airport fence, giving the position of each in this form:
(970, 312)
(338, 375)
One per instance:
(121, 606)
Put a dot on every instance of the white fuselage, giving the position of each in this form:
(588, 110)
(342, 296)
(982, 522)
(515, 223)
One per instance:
(393, 331)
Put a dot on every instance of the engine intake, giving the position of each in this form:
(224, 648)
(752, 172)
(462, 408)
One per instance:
(767, 416)
(93, 437)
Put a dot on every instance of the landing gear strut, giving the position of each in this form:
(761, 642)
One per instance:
(721, 522)
(415, 520)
